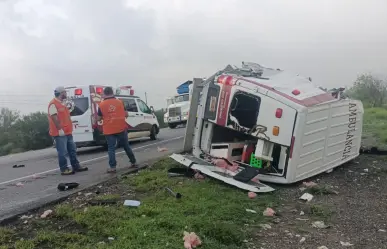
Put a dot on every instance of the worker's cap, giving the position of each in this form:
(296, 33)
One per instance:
(60, 89)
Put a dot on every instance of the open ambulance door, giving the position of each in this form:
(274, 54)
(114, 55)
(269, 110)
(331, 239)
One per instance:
(220, 173)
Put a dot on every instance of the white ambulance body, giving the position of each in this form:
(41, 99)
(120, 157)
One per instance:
(296, 129)
(83, 101)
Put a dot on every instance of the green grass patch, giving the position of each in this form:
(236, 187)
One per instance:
(320, 212)
(375, 127)
(321, 190)
(216, 212)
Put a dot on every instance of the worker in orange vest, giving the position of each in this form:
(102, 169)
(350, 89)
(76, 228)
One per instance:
(112, 112)
(61, 129)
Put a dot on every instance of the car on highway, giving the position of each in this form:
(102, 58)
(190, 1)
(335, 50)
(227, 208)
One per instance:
(83, 102)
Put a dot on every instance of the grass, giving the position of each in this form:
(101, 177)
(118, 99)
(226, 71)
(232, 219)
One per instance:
(214, 211)
(375, 127)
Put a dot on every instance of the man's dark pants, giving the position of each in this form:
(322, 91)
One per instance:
(112, 140)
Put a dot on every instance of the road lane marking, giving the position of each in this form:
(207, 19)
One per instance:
(90, 160)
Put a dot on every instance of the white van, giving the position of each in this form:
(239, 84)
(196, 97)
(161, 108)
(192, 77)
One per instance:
(275, 121)
(83, 101)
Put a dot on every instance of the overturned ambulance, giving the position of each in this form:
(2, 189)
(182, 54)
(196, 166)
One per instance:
(268, 125)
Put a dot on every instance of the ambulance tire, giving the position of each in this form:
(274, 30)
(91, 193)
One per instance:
(172, 126)
(153, 133)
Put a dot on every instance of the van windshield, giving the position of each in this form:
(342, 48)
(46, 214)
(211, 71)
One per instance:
(80, 106)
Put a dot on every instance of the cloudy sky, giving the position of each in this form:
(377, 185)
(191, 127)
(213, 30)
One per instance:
(156, 44)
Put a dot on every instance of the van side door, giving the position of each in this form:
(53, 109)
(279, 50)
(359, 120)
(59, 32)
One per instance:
(134, 118)
(148, 117)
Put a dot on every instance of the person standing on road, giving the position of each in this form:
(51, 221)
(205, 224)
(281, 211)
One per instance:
(61, 129)
(112, 112)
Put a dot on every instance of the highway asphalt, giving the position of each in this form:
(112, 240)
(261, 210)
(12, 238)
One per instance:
(34, 185)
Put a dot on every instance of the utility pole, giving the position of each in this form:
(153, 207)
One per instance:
(146, 99)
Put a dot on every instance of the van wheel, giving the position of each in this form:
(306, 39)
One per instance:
(172, 126)
(153, 133)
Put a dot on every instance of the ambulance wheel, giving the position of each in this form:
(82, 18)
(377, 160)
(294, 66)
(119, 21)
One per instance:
(172, 126)
(153, 133)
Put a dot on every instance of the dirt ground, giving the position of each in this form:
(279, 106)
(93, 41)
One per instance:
(351, 201)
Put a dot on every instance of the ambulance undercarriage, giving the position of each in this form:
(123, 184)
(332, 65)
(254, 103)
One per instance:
(268, 125)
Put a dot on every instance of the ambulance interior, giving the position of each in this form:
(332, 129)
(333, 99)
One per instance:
(238, 142)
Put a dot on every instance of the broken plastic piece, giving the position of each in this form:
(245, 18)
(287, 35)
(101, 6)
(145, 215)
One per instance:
(306, 197)
(319, 224)
(252, 195)
(161, 149)
(269, 212)
(67, 186)
(251, 211)
(19, 184)
(191, 240)
(18, 166)
(345, 243)
(132, 203)
(46, 214)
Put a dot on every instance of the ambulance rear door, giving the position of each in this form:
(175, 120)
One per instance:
(79, 103)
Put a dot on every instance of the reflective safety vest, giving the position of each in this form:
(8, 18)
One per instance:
(63, 115)
(113, 115)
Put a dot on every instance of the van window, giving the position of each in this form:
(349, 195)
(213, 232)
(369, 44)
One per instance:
(80, 106)
(130, 105)
(143, 107)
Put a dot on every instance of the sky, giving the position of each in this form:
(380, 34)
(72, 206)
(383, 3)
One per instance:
(154, 45)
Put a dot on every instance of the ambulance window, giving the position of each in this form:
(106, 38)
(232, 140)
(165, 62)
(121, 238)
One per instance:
(143, 107)
(80, 106)
(130, 105)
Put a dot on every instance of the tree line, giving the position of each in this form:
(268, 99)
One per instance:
(20, 133)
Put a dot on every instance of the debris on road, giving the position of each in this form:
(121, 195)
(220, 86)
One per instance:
(163, 149)
(18, 166)
(319, 224)
(88, 194)
(345, 243)
(252, 195)
(382, 230)
(302, 240)
(191, 240)
(269, 212)
(366, 170)
(302, 213)
(19, 184)
(67, 186)
(176, 195)
(46, 214)
(306, 197)
(322, 247)
(131, 203)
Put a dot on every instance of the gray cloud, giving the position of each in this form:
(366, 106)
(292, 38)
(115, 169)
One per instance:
(157, 44)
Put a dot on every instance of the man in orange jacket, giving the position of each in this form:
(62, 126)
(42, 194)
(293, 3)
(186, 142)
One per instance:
(61, 129)
(112, 112)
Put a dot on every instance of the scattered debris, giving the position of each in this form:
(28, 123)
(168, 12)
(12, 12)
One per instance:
(251, 211)
(176, 195)
(19, 184)
(111, 238)
(309, 184)
(322, 247)
(252, 195)
(46, 214)
(366, 170)
(131, 203)
(302, 240)
(269, 212)
(301, 219)
(345, 243)
(306, 197)
(88, 194)
(265, 226)
(382, 230)
(177, 172)
(302, 213)
(302, 189)
(199, 176)
(191, 240)
(18, 166)
(25, 217)
(163, 149)
(67, 186)
(319, 224)
(25, 222)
